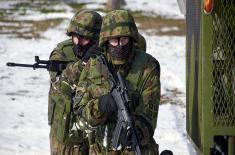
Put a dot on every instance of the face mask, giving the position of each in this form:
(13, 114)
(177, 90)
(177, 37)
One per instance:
(120, 53)
(80, 50)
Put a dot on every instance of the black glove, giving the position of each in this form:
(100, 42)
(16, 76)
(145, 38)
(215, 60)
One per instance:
(107, 104)
(57, 66)
(93, 51)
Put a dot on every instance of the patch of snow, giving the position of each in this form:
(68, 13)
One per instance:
(24, 94)
(171, 127)
(167, 29)
(170, 133)
(9, 24)
(9, 4)
(95, 6)
(37, 16)
(165, 8)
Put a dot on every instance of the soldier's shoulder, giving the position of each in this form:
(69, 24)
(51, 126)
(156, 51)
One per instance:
(63, 50)
(65, 43)
(148, 61)
(147, 57)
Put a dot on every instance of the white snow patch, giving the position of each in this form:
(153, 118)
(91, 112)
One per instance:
(24, 128)
(170, 133)
(165, 8)
(171, 127)
(167, 29)
(9, 4)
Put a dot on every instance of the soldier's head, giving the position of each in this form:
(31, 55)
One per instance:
(118, 34)
(84, 28)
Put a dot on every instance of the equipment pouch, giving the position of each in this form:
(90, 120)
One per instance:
(51, 108)
(63, 121)
(75, 135)
(63, 118)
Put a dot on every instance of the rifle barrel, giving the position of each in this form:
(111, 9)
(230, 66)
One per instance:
(12, 64)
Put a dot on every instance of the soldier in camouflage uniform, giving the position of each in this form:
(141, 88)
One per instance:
(94, 104)
(65, 138)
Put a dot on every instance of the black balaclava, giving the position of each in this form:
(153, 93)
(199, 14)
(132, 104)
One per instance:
(120, 53)
(80, 50)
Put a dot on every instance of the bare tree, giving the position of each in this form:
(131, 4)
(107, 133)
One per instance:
(115, 4)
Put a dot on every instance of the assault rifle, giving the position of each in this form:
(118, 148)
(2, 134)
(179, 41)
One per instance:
(51, 65)
(125, 123)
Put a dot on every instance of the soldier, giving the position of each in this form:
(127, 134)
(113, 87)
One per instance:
(84, 30)
(94, 103)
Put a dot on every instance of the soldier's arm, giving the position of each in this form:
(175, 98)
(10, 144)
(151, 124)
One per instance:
(58, 55)
(65, 80)
(86, 102)
(147, 109)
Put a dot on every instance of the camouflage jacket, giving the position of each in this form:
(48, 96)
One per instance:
(64, 52)
(143, 78)
(60, 94)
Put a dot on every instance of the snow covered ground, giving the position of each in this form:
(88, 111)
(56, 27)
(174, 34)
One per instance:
(23, 92)
(23, 106)
(170, 132)
(165, 8)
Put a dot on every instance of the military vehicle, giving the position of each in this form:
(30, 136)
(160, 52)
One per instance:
(210, 75)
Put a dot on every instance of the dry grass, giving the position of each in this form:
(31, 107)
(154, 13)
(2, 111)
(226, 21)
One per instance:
(27, 29)
(158, 24)
(152, 25)
(9, 25)
(77, 6)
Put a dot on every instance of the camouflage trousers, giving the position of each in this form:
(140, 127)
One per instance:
(58, 148)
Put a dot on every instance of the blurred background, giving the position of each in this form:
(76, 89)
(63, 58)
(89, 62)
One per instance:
(34, 27)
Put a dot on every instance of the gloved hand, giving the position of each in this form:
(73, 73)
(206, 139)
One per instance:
(107, 104)
(57, 66)
(91, 52)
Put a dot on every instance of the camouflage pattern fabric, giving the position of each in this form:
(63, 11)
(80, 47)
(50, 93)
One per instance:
(92, 85)
(59, 105)
(65, 137)
(141, 43)
(58, 148)
(143, 78)
(118, 23)
(85, 23)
